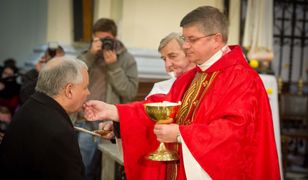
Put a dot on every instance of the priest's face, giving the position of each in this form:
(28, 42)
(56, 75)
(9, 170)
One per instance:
(198, 46)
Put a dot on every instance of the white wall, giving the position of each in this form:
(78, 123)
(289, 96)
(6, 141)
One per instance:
(60, 21)
(23, 27)
(234, 21)
(145, 22)
(142, 23)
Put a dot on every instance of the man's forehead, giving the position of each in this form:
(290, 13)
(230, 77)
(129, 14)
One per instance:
(193, 29)
(101, 34)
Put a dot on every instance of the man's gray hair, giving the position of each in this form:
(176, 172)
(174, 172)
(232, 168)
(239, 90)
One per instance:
(55, 76)
(169, 38)
(210, 20)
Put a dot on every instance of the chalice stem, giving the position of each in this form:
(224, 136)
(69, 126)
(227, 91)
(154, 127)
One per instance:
(162, 147)
(163, 154)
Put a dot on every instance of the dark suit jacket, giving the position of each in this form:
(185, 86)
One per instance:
(29, 80)
(40, 143)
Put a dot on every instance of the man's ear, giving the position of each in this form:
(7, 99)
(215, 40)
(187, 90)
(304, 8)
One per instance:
(218, 40)
(218, 37)
(68, 90)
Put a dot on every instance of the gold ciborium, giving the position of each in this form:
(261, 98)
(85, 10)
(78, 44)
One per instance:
(162, 113)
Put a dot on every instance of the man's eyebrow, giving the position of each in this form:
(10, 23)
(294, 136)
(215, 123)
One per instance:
(172, 53)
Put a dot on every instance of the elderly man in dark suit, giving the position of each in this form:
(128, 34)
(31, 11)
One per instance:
(40, 142)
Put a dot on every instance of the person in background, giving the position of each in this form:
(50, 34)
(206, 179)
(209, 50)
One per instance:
(40, 142)
(9, 87)
(11, 62)
(8, 84)
(175, 60)
(224, 127)
(5, 120)
(29, 79)
(113, 79)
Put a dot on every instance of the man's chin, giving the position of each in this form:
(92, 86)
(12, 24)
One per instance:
(190, 58)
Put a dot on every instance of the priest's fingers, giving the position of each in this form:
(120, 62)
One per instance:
(109, 135)
(166, 132)
(89, 114)
(105, 134)
(94, 110)
(107, 126)
(161, 133)
(158, 129)
(97, 105)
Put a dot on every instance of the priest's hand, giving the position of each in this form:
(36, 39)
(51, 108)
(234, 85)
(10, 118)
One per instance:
(166, 132)
(105, 129)
(97, 110)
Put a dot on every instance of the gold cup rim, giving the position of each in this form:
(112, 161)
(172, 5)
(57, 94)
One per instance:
(163, 104)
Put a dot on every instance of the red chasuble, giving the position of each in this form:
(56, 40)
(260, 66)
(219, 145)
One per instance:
(228, 130)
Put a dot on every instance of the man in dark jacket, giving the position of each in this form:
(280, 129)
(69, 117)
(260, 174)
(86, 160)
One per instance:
(40, 142)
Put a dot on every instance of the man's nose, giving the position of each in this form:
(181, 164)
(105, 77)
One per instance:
(186, 45)
(168, 63)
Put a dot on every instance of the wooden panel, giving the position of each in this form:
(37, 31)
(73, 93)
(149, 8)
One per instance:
(145, 86)
(83, 20)
(87, 10)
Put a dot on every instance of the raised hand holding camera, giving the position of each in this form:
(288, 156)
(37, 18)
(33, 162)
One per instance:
(108, 47)
(96, 46)
(110, 56)
(104, 47)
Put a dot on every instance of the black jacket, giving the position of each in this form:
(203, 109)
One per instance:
(29, 81)
(40, 143)
(11, 87)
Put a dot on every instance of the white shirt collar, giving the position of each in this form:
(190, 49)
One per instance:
(214, 58)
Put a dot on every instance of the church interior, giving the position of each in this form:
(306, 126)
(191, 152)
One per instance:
(272, 33)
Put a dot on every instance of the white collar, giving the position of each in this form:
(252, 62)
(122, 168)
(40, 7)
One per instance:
(214, 58)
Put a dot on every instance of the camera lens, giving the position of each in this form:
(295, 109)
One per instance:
(108, 43)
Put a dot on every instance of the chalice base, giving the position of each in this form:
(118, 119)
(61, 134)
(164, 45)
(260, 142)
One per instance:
(163, 154)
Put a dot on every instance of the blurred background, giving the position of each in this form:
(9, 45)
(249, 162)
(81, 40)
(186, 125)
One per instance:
(273, 33)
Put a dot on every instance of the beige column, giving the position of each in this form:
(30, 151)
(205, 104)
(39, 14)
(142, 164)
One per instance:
(109, 9)
(60, 21)
(234, 22)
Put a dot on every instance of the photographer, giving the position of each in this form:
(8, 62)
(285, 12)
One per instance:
(113, 79)
(29, 79)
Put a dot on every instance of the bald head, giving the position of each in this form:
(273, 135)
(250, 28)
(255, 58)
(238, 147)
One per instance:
(55, 62)
(57, 73)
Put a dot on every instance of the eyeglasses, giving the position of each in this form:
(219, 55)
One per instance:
(193, 40)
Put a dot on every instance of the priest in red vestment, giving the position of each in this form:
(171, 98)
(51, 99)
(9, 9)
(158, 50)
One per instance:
(223, 129)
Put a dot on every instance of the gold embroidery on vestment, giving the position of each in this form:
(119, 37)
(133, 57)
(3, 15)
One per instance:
(190, 104)
(192, 97)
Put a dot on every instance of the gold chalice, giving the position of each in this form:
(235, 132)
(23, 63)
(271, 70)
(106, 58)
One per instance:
(162, 113)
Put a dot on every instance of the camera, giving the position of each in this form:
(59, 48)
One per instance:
(52, 49)
(108, 43)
